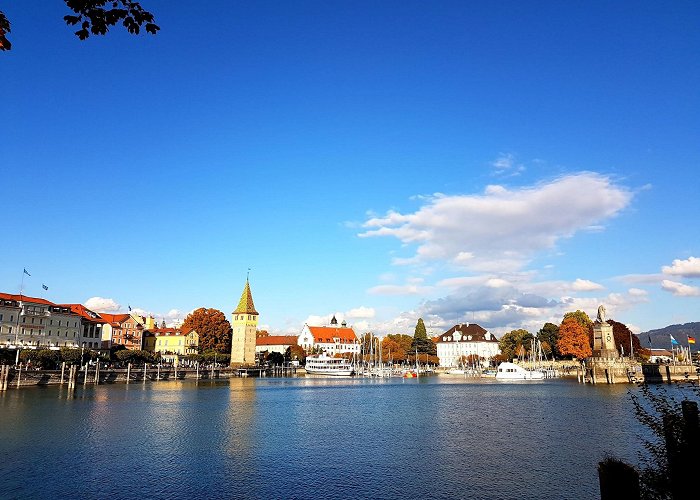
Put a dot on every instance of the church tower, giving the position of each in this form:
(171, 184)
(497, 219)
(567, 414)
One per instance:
(244, 322)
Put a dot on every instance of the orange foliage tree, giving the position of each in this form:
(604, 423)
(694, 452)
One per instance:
(213, 328)
(573, 339)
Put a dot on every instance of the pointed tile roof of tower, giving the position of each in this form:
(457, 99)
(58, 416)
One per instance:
(245, 305)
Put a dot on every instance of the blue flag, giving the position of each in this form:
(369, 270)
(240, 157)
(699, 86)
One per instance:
(673, 341)
(25, 272)
(129, 308)
(44, 287)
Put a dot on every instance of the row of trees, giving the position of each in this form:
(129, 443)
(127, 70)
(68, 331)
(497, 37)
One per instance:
(572, 338)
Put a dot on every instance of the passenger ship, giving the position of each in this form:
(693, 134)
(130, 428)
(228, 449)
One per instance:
(322, 364)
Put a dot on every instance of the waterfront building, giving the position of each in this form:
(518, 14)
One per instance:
(464, 340)
(171, 343)
(123, 329)
(244, 322)
(275, 343)
(660, 356)
(34, 322)
(91, 326)
(330, 339)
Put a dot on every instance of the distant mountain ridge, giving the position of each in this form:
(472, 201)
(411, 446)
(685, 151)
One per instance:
(661, 338)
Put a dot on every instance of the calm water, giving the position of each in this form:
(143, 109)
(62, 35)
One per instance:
(434, 437)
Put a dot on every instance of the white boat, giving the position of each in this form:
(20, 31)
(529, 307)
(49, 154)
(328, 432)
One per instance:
(322, 364)
(511, 371)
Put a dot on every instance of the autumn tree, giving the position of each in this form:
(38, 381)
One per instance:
(392, 350)
(400, 345)
(96, 17)
(583, 320)
(623, 335)
(295, 352)
(548, 336)
(573, 339)
(213, 328)
(512, 342)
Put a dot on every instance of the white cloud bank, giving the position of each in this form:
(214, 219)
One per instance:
(101, 304)
(679, 289)
(689, 268)
(502, 229)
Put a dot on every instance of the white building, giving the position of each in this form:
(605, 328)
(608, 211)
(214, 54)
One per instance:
(464, 340)
(330, 339)
(32, 323)
(275, 343)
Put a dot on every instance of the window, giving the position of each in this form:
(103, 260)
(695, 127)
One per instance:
(0, 317)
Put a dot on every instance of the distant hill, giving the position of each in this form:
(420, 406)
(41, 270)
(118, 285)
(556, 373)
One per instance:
(661, 338)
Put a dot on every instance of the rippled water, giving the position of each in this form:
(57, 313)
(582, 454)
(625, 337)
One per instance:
(433, 437)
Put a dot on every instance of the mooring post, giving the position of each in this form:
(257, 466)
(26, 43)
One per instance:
(63, 371)
(144, 371)
(97, 372)
(19, 375)
(128, 372)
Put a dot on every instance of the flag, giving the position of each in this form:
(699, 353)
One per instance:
(44, 287)
(129, 308)
(649, 340)
(25, 272)
(673, 341)
(691, 340)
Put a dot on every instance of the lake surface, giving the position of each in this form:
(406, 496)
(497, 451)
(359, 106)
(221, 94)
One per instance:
(434, 437)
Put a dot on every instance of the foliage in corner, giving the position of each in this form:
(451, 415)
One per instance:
(662, 413)
(4, 29)
(96, 17)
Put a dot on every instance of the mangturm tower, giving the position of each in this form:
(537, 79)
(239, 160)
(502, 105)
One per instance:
(244, 322)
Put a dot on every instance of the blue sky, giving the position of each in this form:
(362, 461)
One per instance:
(382, 161)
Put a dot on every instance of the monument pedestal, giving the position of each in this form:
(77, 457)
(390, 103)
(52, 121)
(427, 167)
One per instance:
(603, 341)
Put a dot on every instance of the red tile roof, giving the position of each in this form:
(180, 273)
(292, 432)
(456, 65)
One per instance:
(276, 340)
(327, 334)
(115, 319)
(85, 313)
(477, 333)
(25, 298)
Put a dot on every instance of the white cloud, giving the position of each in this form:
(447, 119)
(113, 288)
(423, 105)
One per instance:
(585, 285)
(506, 164)
(679, 289)
(502, 229)
(101, 304)
(360, 312)
(689, 268)
(637, 292)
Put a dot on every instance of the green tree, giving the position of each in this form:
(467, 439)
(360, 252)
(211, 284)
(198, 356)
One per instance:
(574, 339)
(96, 17)
(275, 358)
(515, 343)
(581, 317)
(213, 328)
(420, 332)
(72, 356)
(549, 334)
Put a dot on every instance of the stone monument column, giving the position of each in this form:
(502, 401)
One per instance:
(603, 340)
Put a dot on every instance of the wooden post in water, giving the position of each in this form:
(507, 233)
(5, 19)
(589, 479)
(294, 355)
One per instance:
(618, 480)
(197, 370)
(158, 375)
(19, 375)
(144, 371)
(128, 372)
(85, 375)
(3, 378)
(63, 371)
(97, 372)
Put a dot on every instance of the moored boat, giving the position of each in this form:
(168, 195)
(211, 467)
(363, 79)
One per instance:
(322, 364)
(511, 371)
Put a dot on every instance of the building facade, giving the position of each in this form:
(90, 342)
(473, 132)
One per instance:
(244, 324)
(330, 339)
(33, 323)
(464, 340)
(275, 343)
